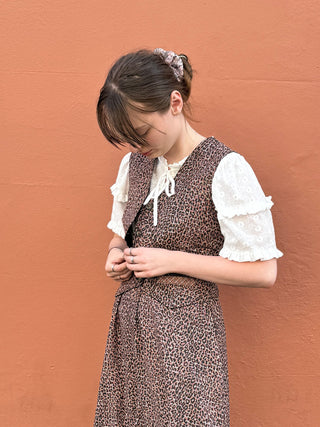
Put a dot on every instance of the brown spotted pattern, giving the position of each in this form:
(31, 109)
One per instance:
(165, 361)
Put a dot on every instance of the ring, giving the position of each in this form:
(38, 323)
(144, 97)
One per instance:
(132, 260)
(112, 268)
(130, 251)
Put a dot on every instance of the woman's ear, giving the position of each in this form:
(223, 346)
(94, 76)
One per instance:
(176, 102)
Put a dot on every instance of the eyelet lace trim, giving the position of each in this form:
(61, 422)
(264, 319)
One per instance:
(252, 255)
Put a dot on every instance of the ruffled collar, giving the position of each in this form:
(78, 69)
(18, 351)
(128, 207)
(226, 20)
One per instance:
(173, 166)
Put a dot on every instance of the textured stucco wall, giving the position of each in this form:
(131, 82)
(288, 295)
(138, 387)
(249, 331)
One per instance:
(257, 90)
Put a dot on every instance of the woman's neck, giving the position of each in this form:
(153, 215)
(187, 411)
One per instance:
(185, 144)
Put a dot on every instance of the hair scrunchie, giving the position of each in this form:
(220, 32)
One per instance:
(173, 60)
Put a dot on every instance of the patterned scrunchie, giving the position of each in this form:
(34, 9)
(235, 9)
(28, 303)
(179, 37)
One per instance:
(173, 60)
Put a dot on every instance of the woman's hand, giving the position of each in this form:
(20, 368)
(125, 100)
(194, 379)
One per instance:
(147, 262)
(116, 266)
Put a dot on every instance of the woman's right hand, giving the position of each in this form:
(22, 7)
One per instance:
(119, 272)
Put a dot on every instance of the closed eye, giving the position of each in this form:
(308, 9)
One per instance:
(144, 134)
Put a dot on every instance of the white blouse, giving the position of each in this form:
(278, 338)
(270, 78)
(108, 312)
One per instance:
(243, 210)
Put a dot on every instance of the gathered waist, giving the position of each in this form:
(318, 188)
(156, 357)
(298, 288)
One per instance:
(172, 290)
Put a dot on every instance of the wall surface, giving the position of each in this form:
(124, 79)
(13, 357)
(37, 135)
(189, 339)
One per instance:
(256, 89)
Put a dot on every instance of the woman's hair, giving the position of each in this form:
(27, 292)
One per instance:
(144, 78)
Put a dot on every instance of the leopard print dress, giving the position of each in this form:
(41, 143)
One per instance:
(165, 361)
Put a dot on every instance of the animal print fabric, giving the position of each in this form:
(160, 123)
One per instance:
(165, 360)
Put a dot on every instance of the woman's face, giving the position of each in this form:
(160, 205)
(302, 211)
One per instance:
(160, 130)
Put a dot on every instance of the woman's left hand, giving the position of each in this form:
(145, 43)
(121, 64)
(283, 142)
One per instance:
(148, 262)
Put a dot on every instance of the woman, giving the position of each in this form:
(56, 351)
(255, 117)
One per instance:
(188, 214)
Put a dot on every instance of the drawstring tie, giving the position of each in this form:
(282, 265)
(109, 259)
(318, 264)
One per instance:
(165, 183)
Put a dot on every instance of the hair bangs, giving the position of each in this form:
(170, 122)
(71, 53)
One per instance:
(115, 123)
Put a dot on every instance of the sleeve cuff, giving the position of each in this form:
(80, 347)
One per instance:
(116, 228)
(119, 192)
(251, 254)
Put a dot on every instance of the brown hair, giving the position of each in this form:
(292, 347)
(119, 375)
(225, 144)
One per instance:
(139, 77)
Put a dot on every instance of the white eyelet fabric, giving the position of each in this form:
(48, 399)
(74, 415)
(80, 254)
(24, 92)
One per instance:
(243, 210)
(120, 191)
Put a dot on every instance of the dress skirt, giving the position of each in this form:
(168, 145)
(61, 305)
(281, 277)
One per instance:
(164, 365)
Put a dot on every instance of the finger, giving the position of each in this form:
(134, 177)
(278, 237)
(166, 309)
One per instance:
(129, 258)
(121, 268)
(116, 259)
(127, 273)
(125, 276)
(113, 267)
(135, 267)
(142, 274)
(115, 277)
(113, 274)
(131, 251)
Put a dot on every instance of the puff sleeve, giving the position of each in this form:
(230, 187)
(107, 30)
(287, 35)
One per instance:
(243, 212)
(119, 191)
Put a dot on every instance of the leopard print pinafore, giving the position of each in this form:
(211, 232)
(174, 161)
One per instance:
(165, 362)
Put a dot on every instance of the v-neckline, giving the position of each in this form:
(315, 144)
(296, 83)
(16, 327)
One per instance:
(191, 155)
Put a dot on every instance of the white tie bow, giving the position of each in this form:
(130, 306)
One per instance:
(165, 183)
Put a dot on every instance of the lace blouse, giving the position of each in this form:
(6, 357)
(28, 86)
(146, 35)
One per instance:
(243, 210)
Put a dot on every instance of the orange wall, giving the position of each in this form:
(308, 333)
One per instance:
(257, 90)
